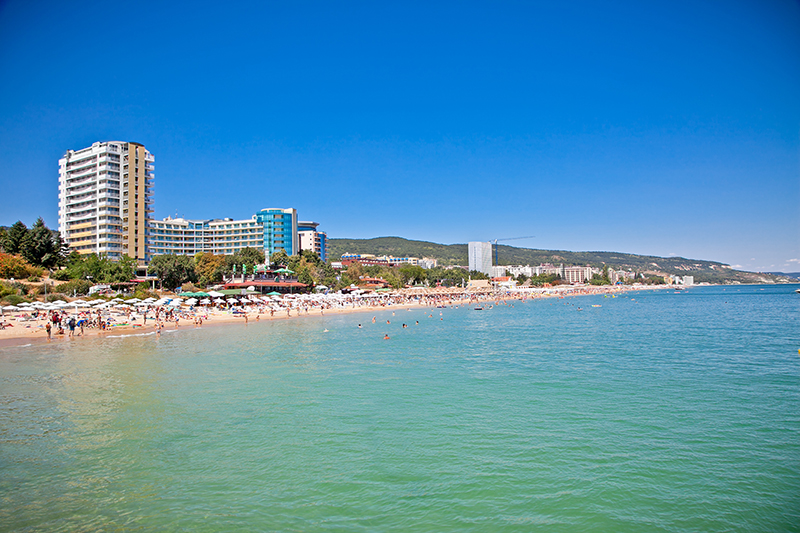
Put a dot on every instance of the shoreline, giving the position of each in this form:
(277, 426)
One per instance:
(19, 335)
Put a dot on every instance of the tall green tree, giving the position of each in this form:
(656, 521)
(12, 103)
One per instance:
(40, 247)
(14, 237)
(279, 258)
(173, 270)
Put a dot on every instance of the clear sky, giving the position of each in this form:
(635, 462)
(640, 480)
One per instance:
(665, 128)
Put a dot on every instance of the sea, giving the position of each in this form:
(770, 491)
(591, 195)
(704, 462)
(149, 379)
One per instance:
(654, 410)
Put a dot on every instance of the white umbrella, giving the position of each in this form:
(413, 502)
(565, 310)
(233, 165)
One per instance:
(190, 301)
(78, 301)
(149, 300)
(59, 302)
(215, 294)
(205, 301)
(219, 301)
(176, 302)
(122, 305)
(11, 308)
(133, 301)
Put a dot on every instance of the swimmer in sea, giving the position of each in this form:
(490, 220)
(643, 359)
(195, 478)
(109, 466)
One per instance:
(359, 326)
(388, 322)
(418, 322)
(386, 336)
(405, 326)
(373, 320)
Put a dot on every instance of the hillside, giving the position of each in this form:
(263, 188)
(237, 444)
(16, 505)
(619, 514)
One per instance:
(456, 254)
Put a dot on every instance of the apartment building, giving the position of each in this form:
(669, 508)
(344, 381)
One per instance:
(217, 236)
(105, 199)
(480, 257)
(269, 230)
(311, 239)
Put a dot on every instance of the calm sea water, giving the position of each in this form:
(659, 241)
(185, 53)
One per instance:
(658, 411)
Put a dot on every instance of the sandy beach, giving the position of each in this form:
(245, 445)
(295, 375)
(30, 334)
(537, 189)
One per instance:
(21, 329)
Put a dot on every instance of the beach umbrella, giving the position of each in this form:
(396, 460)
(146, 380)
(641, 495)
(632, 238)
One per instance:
(176, 302)
(59, 302)
(190, 301)
(11, 308)
(284, 271)
(205, 301)
(123, 305)
(133, 301)
(273, 293)
(219, 301)
(215, 294)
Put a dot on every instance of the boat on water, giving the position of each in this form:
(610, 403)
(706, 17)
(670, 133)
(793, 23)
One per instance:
(797, 290)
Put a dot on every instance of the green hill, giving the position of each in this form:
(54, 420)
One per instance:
(456, 254)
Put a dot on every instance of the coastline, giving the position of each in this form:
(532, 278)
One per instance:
(19, 335)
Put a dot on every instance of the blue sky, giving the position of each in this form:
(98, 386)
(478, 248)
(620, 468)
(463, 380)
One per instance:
(665, 128)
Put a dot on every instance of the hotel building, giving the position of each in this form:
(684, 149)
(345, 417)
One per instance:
(311, 239)
(217, 236)
(105, 199)
(480, 257)
(270, 230)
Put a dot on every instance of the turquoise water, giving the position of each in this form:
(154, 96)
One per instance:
(658, 411)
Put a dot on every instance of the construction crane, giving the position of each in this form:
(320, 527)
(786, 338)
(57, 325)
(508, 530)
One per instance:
(508, 239)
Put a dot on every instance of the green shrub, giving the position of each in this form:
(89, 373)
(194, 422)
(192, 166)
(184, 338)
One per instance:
(60, 275)
(76, 286)
(34, 279)
(19, 288)
(13, 299)
(56, 296)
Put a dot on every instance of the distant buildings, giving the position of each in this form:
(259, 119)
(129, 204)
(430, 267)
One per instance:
(576, 274)
(105, 199)
(480, 257)
(385, 260)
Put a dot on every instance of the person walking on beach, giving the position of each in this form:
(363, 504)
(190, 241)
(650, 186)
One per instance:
(71, 325)
(49, 330)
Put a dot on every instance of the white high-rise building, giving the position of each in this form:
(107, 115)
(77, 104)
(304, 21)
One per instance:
(105, 200)
(480, 257)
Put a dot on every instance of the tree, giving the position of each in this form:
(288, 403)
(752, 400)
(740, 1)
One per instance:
(411, 274)
(40, 247)
(305, 277)
(209, 267)
(279, 258)
(173, 269)
(14, 236)
(474, 274)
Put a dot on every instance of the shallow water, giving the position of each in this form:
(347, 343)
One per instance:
(658, 411)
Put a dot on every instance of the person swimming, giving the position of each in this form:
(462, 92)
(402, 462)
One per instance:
(359, 326)
(405, 326)
(386, 336)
